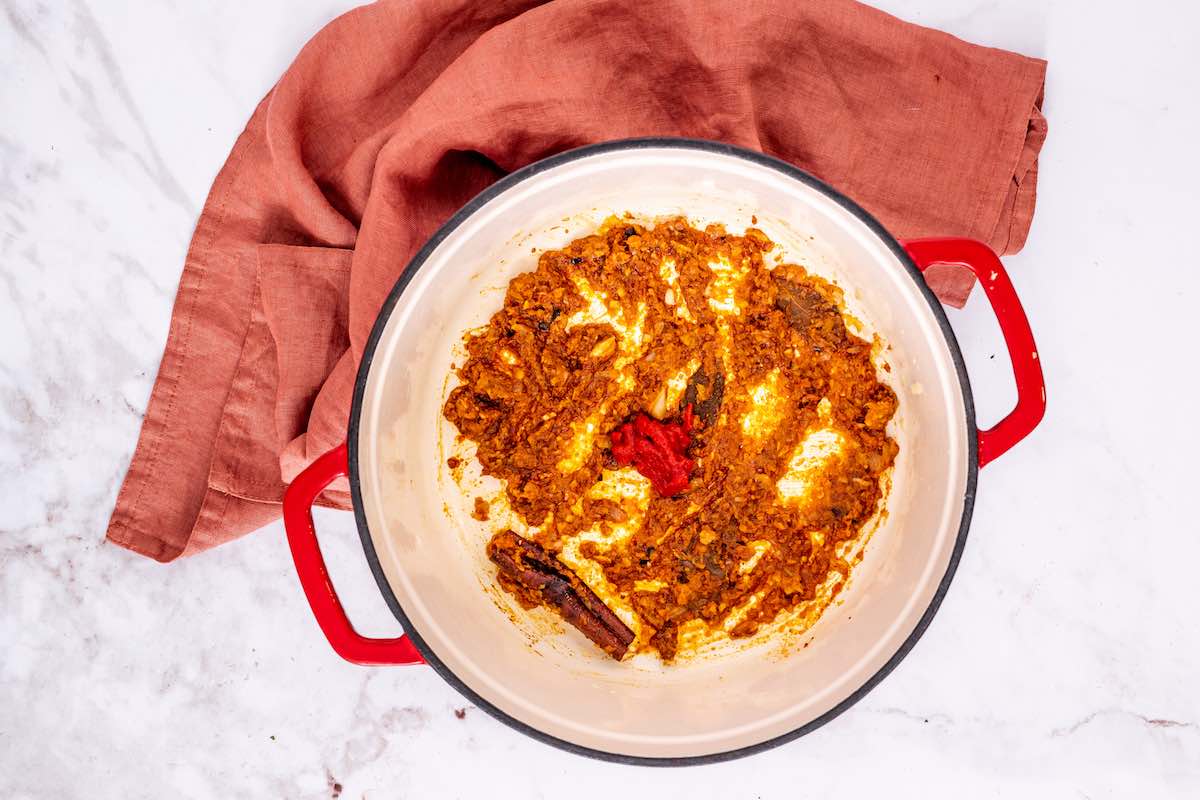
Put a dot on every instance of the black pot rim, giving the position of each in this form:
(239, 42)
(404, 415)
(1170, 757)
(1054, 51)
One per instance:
(537, 168)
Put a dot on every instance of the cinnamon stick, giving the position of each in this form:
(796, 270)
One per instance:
(531, 567)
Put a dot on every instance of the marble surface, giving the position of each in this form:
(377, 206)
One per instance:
(1066, 658)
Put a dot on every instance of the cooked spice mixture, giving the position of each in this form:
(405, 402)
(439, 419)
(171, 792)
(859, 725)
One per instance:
(691, 429)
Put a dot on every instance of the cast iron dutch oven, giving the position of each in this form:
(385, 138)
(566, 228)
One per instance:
(431, 567)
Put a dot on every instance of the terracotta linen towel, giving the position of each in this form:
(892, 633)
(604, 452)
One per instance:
(397, 113)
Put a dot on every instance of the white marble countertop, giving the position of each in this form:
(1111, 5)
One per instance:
(1065, 662)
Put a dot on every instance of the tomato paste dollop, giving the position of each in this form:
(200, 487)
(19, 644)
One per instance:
(657, 450)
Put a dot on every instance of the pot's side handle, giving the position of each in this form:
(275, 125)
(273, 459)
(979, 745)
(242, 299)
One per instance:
(314, 577)
(1027, 370)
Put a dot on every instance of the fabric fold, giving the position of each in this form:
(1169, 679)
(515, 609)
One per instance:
(397, 113)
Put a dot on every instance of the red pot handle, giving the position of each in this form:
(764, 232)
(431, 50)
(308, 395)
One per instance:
(1027, 370)
(314, 578)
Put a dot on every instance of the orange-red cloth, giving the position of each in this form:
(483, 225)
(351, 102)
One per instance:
(397, 113)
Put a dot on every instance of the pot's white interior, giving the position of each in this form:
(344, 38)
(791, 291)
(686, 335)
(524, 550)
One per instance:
(434, 561)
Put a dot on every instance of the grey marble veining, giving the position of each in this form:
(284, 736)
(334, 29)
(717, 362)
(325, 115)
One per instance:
(1064, 662)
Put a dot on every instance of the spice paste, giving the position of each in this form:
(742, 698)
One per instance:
(696, 424)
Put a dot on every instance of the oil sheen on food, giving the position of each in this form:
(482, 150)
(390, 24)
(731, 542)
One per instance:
(789, 430)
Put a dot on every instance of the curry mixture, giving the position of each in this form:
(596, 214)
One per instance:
(693, 420)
